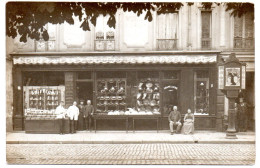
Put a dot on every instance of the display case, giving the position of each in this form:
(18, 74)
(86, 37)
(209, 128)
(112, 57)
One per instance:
(111, 95)
(40, 102)
(148, 96)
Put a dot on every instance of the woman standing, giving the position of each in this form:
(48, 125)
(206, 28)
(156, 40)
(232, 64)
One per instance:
(82, 110)
(188, 125)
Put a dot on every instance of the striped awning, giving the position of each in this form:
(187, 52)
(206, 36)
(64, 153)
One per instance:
(132, 59)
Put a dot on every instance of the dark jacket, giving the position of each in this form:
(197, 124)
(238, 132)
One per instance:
(89, 110)
(174, 116)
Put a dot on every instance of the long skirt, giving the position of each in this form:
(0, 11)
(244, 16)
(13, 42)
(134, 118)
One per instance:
(188, 127)
(80, 122)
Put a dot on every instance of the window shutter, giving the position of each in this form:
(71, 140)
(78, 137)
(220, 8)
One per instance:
(238, 26)
(249, 26)
(205, 21)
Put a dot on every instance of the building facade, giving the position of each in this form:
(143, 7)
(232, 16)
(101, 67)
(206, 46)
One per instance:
(140, 65)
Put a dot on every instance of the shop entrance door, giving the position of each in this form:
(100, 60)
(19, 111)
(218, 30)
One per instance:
(170, 96)
(85, 91)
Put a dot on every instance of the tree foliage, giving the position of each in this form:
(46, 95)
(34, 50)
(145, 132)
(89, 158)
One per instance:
(29, 18)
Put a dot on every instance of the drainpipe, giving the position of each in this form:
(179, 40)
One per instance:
(189, 28)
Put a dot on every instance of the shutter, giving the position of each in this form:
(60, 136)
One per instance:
(249, 26)
(238, 26)
(205, 21)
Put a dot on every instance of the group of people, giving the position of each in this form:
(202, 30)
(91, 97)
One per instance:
(175, 120)
(76, 114)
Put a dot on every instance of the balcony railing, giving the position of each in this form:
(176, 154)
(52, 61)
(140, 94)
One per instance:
(244, 43)
(167, 44)
(205, 43)
(104, 45)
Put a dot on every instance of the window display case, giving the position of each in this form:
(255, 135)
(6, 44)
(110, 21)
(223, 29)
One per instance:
(148, 96)
(40, 102)
(111, 95)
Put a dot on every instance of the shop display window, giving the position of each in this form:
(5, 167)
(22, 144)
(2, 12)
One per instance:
(201, 92)
(111, 92)
(111, 95)
(148, 96)
(40, 102)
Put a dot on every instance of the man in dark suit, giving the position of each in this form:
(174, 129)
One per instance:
(89, 110)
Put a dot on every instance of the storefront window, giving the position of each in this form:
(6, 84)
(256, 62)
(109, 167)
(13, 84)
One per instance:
(42, 92)
(111, 92)
(148, 94)
(201, 92)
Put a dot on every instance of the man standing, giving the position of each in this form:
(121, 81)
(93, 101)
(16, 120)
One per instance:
(60, 112)
(73, 113)
(89, 110)
(82, 109)
(175, 119)
(242, 115)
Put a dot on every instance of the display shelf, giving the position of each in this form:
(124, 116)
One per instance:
(148, 96)
(111, 95)
(43, 97)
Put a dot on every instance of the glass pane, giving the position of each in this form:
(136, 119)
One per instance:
(147, 74)
(205, 21)
(111, 74)
(170, 75)
(201, 83)
(84, 75)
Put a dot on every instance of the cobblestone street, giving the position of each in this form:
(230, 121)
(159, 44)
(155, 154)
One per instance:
(207, 154)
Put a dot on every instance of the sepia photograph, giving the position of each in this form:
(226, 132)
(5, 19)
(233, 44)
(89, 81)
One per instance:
(130, 83)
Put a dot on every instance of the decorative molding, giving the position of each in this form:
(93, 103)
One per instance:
(147, 59)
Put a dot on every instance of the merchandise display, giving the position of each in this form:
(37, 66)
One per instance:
(34, 114)
(111, 95)
(43, 97)
(148, 96)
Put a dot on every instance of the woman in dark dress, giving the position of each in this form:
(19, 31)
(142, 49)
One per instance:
(82, 109)
(188, 125)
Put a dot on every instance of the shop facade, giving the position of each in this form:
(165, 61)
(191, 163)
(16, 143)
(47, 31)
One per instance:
(118, 84)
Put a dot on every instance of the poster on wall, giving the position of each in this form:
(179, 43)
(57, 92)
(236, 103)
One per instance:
(232, 76)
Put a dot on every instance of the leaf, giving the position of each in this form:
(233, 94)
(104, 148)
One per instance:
(85, 25)
(23, 38)
(45, 35)
(93, 20)
(112, 21)
(148, 16)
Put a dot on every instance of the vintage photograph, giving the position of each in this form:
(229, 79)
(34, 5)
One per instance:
(130, 83)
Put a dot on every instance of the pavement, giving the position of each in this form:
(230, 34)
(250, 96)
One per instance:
(131, 154)
(121, 137)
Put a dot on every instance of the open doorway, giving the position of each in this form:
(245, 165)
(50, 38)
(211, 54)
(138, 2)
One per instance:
(85, 91)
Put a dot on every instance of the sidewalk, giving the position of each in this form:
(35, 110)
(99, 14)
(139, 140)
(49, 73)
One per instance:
(121, 137)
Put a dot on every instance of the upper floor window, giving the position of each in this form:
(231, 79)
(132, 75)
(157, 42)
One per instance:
(205, 29)
(244, 32)
(104, 35)
(167, 27)
(49, 45)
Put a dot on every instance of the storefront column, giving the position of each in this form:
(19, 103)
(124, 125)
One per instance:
(70, 88)
(18, 99)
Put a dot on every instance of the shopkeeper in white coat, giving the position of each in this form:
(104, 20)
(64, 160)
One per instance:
(73, 113)
(60, 112)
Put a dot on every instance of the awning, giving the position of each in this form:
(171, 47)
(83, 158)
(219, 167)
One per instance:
(163, 59)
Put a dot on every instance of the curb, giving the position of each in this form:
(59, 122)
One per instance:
(130, 142)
